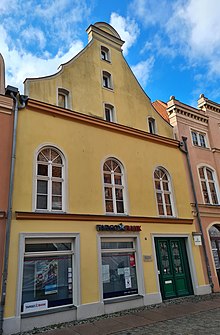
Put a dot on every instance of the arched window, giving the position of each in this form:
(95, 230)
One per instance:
(109, 113)
(152, 125)
(107, 80)
(114, 187)
(208, 184)
(63, 98)
(50, 180)
(105, 55)
(163, 192)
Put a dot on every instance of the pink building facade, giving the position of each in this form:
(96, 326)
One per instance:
(200, 129)
(6, 127)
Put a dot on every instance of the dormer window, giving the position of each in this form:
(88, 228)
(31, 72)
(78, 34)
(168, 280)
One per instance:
(63, 98)
(152, 125)
(109, 113)
(107, 80)
(105, 54)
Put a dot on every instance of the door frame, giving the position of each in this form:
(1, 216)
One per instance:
(192, 268)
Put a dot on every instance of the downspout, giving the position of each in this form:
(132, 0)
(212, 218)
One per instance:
(18, 104)
(185, 150)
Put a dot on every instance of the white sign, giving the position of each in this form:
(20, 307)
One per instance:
(128, 282)
(127, 272)
(35, 306)
(105, 274)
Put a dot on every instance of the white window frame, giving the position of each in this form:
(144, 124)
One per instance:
(75, 238)
(207, 182)
(105, 54)
(114, 186)
(152, 125)
(111, 111)
(197, 137)
(66, 94)
(107, 80)
(50, 179)
(138, 259)
(170, 192)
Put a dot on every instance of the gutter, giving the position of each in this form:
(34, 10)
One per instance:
(184, 148)
(19, 103)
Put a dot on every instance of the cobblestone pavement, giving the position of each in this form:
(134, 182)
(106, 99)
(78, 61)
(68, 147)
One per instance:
(200, 324)
(195, 315)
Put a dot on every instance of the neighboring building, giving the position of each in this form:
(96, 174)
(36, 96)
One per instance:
(100, 219)
(6, 126)
(201, 127)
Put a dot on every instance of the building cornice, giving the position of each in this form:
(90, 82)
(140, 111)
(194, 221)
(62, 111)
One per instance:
(99, 218)
(6, 104)
(45, 108)
(188, 112)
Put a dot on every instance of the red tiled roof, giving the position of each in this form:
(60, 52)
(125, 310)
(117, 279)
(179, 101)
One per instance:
(161, 108)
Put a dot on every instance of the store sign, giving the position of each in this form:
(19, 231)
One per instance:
(35, 306)
(119, 227)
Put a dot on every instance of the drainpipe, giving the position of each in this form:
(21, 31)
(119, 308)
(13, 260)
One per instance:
(19, 103)
(184, 148)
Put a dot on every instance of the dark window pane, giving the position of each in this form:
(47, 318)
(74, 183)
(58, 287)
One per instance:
(116, 245)
(42, 170)
(39, 247)
(41, 201)
(118, 180)
(56, 188)
(118, 194)
(108, 193)
(120, 206)
(109, 206)
(57, 171)
(107, 178)
(42, 186)
(201, 173)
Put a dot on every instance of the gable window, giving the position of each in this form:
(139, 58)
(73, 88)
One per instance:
(49, 180)
(208, 184)
(163, 192)
(105, 55)
(199, 139)
(113, 187)
(109, 113)
(107, 80)
(152, 125)
(63, 98)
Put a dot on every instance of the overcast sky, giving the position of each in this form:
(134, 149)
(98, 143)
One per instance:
(172, 46)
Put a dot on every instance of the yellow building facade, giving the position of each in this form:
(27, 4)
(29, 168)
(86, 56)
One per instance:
(102, 220)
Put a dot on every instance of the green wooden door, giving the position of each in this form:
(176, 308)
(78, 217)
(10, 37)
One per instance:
(173, 268)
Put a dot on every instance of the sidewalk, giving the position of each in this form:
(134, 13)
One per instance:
(140, 317)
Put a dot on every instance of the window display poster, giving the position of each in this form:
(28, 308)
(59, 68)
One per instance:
(46, 276)
(105, 274)
(127, 272)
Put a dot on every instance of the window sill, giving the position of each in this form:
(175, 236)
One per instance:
(108, 88)
(122, 299)
(47, 311)
(200, 147)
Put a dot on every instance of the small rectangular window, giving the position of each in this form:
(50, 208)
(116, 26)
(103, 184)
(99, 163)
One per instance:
(199, 139)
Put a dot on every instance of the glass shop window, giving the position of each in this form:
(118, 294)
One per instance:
(119, 275)
(47, 275)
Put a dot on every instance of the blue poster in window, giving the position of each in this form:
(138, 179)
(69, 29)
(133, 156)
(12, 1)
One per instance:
(46, 276)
